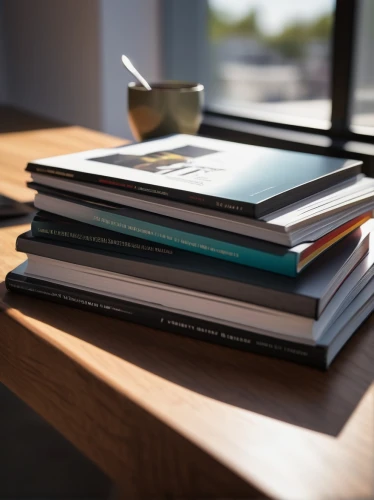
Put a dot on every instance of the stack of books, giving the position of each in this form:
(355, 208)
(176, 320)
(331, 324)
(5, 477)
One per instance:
(253, 248)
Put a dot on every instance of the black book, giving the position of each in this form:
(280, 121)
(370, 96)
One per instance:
(306, 295)
(318, 356)
(241, 179)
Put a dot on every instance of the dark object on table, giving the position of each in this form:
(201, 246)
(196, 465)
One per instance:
(12, 208)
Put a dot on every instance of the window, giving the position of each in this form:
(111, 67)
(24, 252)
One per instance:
(363, 88)
(271, 58)
(295, 65)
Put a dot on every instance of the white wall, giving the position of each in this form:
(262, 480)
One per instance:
(130, 27)
(64, 57)
(3, 76)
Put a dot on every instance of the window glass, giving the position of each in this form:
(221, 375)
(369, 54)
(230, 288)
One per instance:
(363, 93)
(271, 59)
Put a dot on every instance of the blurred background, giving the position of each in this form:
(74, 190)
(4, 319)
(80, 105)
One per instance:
(274, 57)
(263, 59)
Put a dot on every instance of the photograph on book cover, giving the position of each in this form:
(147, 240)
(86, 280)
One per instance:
(183, 161)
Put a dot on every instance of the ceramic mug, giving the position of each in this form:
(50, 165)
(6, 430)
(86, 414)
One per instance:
(171, 107)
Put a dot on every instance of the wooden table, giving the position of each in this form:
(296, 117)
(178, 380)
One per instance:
(167, 416)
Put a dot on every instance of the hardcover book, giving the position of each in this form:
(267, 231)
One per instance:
(307, 295)
(251, 252)
(241, 179)
(190, 302)
(241, 248)
(347, 199)
(319, 355)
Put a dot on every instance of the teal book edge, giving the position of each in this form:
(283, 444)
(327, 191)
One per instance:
(285, 263)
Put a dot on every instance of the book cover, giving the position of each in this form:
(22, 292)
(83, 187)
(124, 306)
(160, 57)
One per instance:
(47, 225)
(319, 356)
(256, 250)
(304, 221)
(306, 295)
(242, 179)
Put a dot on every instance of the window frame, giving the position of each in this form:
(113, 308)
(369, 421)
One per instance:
(185, 55)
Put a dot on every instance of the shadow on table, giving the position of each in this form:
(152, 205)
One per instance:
(302, 396)
(36, 462)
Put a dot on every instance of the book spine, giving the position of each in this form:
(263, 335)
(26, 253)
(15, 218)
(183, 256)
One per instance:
(92, 237)
(171, 322)
(285, 263)
(196, 199)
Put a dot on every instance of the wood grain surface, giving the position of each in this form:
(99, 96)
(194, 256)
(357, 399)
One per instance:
(170, 417)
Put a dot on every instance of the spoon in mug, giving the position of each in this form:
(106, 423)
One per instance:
(130, 67)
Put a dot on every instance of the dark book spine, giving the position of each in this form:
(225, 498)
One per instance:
(95, 238)
(196, 199)
(167, 321)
